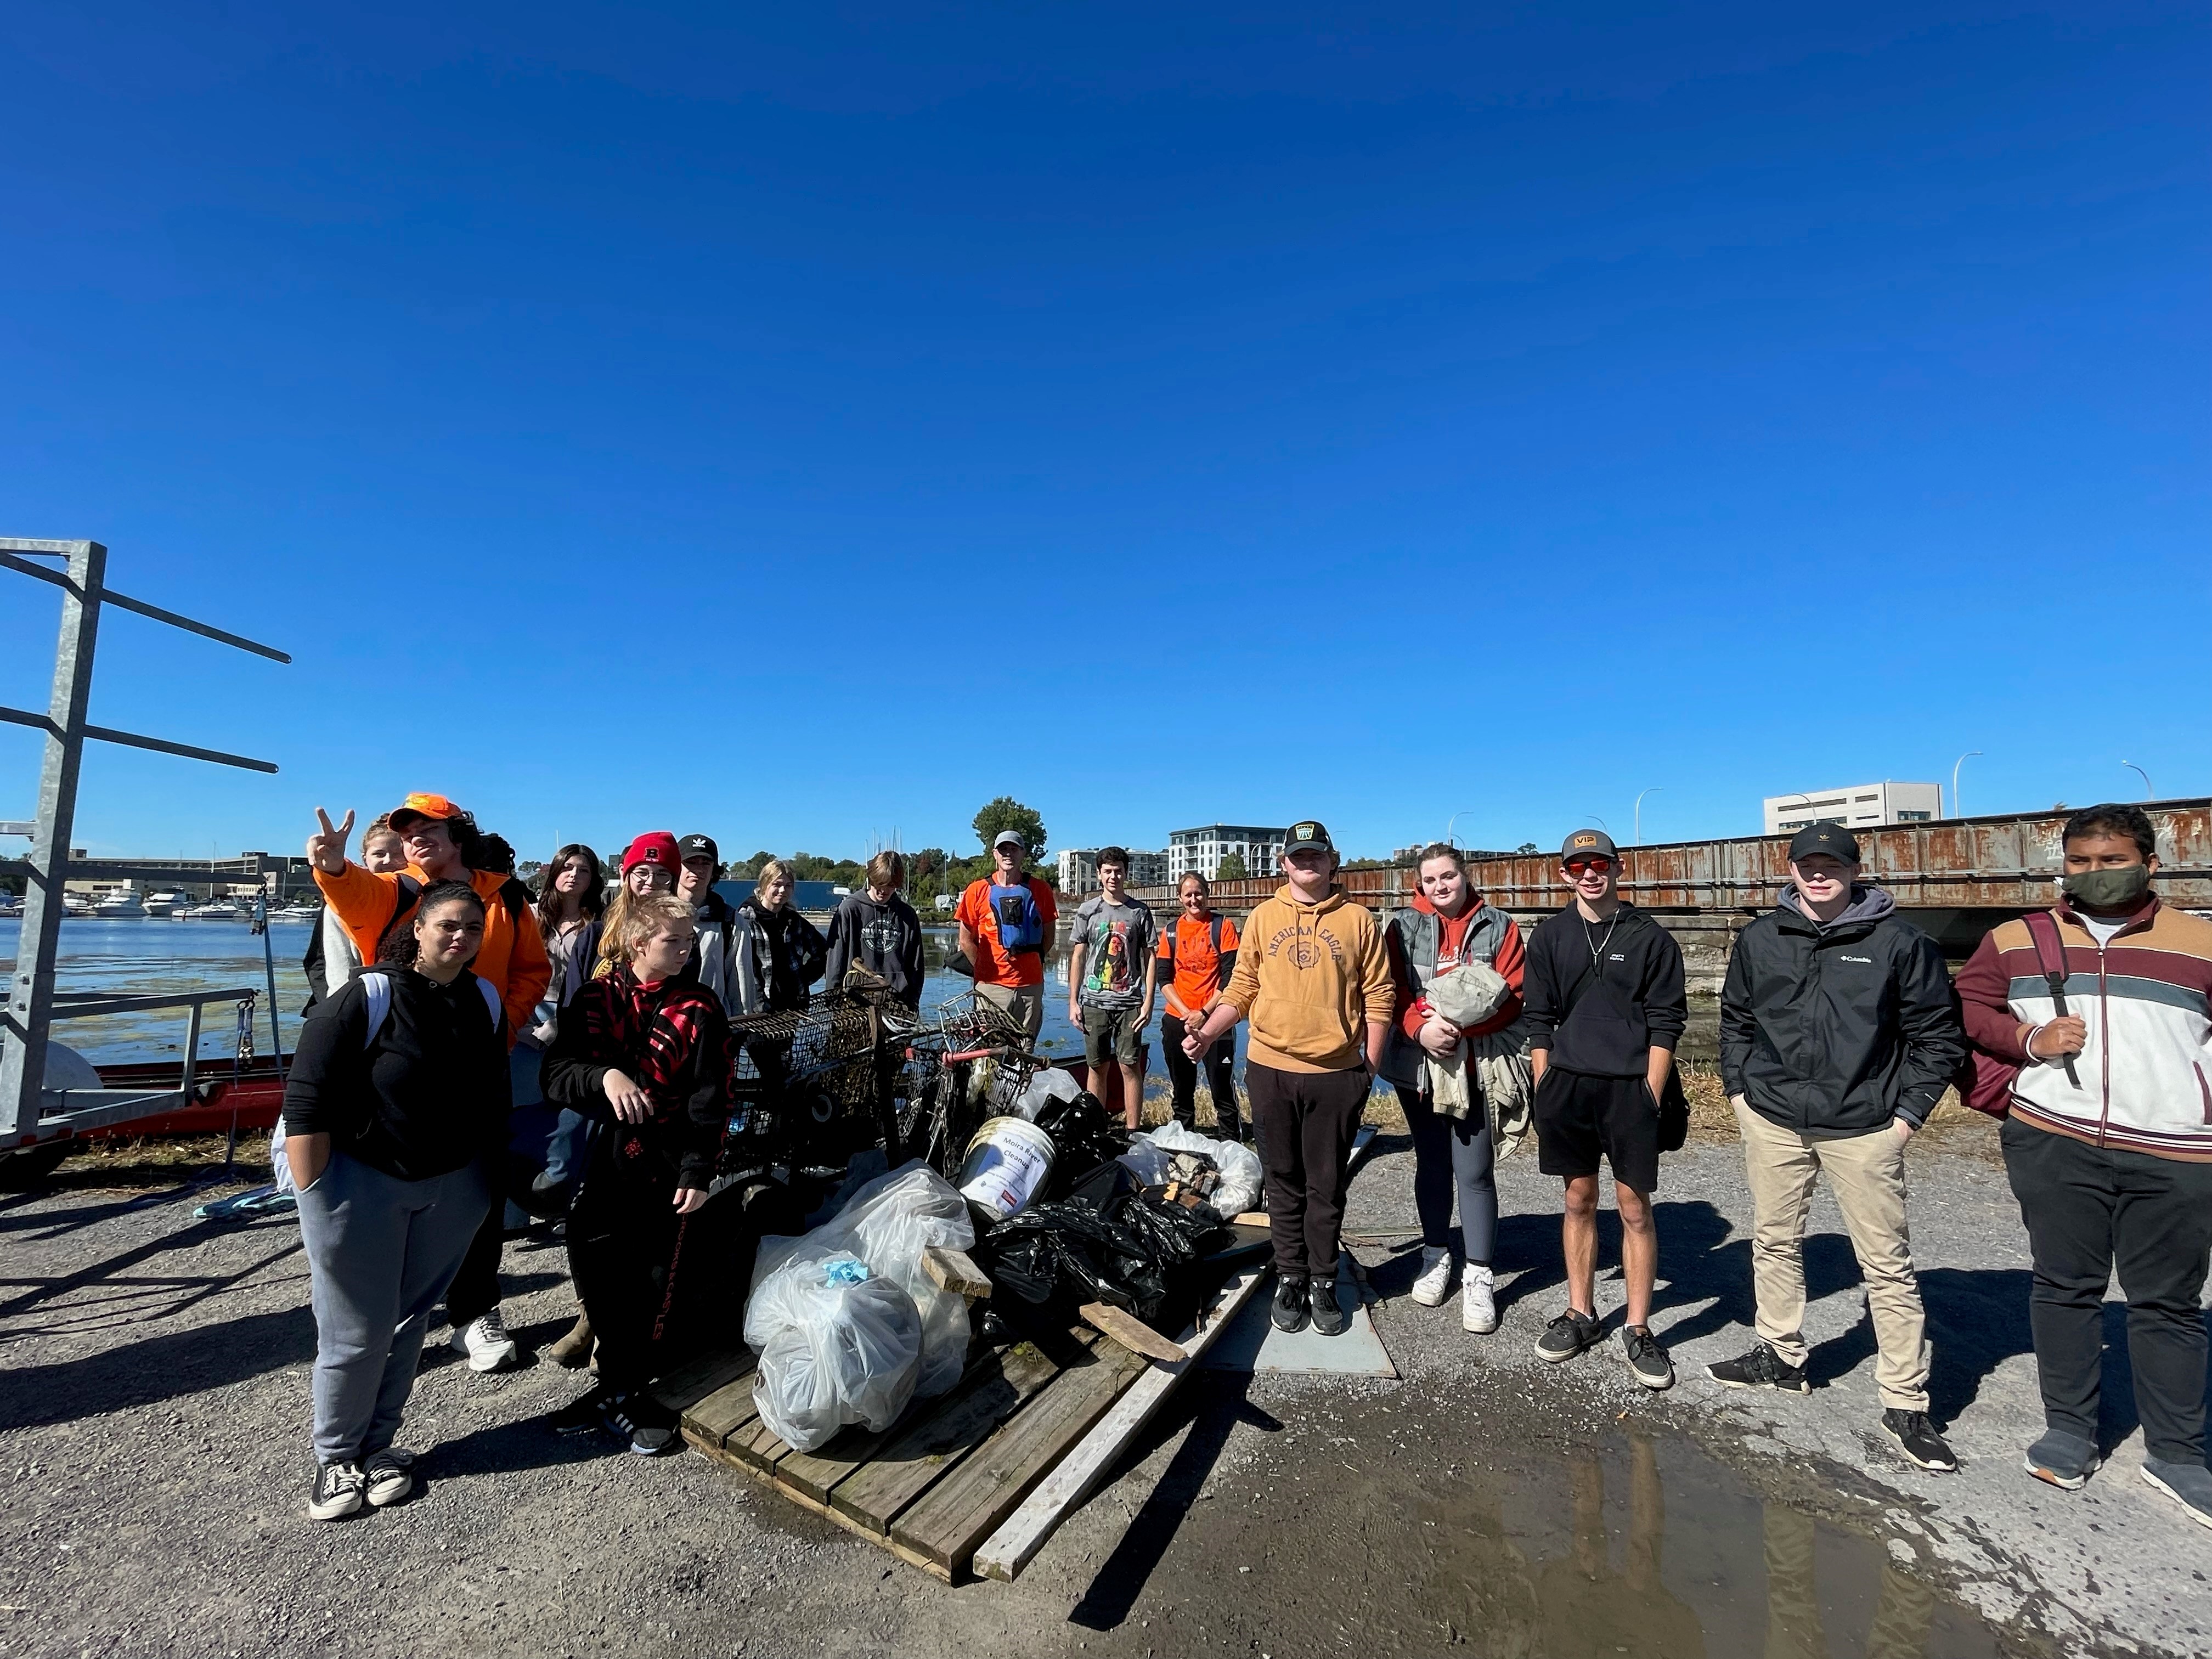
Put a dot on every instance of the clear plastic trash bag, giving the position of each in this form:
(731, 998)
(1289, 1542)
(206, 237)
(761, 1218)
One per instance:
(836, 1344)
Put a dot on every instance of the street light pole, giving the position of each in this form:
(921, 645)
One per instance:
(1969, 755)
(1451, 821)
(1656, 788)
(2144, 775)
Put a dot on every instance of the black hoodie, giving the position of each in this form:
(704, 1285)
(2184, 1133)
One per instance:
(1833, 1029)
(884, 939)
(427, 1097)
(1634, 1000)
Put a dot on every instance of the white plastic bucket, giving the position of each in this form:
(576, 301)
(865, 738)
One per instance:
(1007, 1164)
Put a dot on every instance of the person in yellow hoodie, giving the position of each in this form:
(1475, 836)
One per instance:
(1313, 976)
(440, 839)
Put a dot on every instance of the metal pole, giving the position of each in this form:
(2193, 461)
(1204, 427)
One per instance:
(31, 996)
(1656, 789)
(1971, 754)
(2144, 775)
(268, 963)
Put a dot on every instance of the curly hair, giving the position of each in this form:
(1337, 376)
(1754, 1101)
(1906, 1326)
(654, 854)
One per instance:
(400, 947)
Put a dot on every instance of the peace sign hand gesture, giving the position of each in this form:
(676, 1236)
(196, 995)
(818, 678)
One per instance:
(326, 847)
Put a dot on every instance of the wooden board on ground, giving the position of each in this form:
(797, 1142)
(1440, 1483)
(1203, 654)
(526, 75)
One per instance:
(1011, 1545)
(942, 1479)
(1131, 1332)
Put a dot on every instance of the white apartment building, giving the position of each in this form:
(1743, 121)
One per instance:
(1079, 869)
(1860, 806)
(1202, 849)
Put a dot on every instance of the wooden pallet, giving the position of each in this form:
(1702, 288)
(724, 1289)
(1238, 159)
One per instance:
(951, 1473)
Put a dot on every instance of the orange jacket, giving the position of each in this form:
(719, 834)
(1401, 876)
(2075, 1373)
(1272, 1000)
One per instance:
(511, 960)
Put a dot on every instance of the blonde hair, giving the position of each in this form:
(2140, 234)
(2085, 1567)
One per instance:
(642, 919)
(770, 870)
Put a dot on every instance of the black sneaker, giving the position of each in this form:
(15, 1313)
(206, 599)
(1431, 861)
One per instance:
(581, 1415)
(639, 1418)
(1328, 1319)
(338, 1491)
(1917, 1438)
(1568, 1335)
(1647, 1361)
(1291, 1306)
(1762, 1368)
(390, 1475)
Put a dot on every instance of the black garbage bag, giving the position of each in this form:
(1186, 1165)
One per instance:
(1105, 1241)
(1082, 1137)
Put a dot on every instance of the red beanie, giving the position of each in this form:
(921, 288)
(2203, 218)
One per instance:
(656, 847)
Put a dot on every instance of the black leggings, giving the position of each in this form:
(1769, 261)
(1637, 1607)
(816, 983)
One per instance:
(1220, 1063)
(624, 1241)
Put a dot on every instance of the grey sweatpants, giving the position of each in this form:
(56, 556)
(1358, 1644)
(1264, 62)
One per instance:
(380, 1252)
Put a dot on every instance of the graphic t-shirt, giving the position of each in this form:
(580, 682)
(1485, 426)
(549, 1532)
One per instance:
(1197, 964)
(1119, 941)
(993, 966)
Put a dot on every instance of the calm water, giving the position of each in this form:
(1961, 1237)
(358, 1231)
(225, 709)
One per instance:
(151, 954)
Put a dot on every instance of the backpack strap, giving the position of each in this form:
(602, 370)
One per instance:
(376, 987)
(493, 1006)
(2050, 954)
(516, 897)
(405, 890)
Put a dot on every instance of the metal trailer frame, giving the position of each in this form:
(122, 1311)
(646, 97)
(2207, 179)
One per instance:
(30, 1113)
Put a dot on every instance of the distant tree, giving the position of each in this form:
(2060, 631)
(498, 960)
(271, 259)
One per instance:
(1007, 813)
(1232, 868)
(745, 869)
(1525, 847)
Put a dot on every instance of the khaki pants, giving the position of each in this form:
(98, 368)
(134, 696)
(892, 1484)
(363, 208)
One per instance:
(1025, 1002)
(1867, 1174)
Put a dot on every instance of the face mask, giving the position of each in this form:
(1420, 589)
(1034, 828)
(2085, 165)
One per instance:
(2108, 889)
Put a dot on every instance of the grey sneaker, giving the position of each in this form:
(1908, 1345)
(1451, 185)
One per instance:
(390, 1474)
(2189, 1485)
(1568, 1335)
(1647, 1361)
(336, 1492)
(2063, 1459)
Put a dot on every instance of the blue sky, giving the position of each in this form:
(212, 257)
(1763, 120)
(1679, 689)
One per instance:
(803, 423)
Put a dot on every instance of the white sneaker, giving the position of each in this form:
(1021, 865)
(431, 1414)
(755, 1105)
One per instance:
(1478, 1303)
(487, 1344)
(1435, 1282)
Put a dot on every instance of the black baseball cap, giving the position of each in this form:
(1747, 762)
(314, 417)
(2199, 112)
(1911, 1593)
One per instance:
(1307, 837)
(1589, 844)
(699, 846)
(1833, 839)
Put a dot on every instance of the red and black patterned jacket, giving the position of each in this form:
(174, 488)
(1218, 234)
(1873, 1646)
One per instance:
(672, 1039)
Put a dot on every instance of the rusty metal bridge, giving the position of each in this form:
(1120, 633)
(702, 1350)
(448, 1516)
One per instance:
(1987, 867)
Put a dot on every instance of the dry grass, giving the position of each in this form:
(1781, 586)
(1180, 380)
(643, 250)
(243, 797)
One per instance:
(133, 1164)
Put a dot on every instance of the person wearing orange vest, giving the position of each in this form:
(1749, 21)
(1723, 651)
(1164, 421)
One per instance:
(440, 839)
(1198, 953)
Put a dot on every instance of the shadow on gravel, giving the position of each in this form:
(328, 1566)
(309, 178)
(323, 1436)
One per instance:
(1977, 1320)
(1214, 1403)
(160, 1368)
(506, 1448)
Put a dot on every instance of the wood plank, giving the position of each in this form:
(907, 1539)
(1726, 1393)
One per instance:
(688, 1384)
(1131, 1332)
(918, 1456)
(1010, 1548)
(946, 1523)
(757, 1445)
(726, 1412)
(1249, 1218)
(955, 1271)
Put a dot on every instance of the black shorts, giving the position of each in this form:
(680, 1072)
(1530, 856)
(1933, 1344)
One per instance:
(1580, 1118)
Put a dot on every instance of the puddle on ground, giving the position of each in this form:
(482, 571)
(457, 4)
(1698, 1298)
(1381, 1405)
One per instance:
(1344, 1527)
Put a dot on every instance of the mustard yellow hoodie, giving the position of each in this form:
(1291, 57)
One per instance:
(1309, 978)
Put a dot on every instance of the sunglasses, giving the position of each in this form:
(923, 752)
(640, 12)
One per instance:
(1579, 866)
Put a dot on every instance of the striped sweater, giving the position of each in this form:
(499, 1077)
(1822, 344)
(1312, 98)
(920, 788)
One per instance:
(2146, 998)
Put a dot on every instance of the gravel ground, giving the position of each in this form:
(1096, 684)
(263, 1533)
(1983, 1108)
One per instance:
(152, 1445)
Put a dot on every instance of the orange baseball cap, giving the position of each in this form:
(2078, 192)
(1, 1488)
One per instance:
(419, 805)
